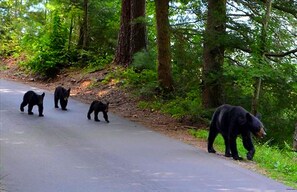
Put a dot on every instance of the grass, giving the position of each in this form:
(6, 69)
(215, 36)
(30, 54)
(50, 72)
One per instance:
(278, 164)
(3, 67)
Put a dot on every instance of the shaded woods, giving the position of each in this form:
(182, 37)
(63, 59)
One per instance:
(183, 58)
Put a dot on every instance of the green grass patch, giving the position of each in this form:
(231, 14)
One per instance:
(3, 67)
(279, 164)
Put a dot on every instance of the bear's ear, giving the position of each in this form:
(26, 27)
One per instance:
(258, 116)
(68, 92)
(43, 94)
(249, 117)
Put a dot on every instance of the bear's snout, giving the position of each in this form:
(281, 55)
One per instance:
(261, 133)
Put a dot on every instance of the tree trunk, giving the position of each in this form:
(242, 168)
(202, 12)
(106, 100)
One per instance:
(86, 25)
(213, 54)
(163, 42)
(138, 27)
(262, 48)
(83, 28)
(122, 55)
(70, 33)
(80, 36)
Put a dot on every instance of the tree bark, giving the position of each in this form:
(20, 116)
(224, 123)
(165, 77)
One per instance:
(80, 36)
(83, 28)
(122, 55)
(163, 42)
(70, 33)
(138, 27)
(86, 25)
(213, 54)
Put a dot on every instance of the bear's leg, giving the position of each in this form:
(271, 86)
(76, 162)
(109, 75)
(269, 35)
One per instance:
(56, 102)
(233, 148)
(63, 104)
(23, 104)
(30, 107)
(227, 146)
(105, 116)
(248, 145)
(40, 110)
(211, 137)
(89, 112)
(96, 116)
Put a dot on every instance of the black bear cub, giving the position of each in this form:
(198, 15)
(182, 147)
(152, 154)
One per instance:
(232, 121)
(31, 98)
(98, 106)
(61, 94)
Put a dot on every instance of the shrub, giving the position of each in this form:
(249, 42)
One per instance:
(144, 60)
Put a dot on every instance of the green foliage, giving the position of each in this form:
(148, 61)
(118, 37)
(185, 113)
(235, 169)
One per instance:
(46, 63)
(3, 67)
(97, 63)
(50, 54)
(278, 113)
(143, 83)
(104, 26)
(181, 107)
(279, 164)
(144, 60)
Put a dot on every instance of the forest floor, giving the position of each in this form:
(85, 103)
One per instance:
(87, 87)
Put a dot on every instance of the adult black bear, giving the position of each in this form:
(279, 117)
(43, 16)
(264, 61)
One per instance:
(31, 98)
(98, 106)
(61, 94)
(232, 121)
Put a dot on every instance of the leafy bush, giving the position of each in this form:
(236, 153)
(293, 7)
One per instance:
(144, 60)
(97, 63)
(49, 51)
(46, 63)
(144, 83)
(188, 106)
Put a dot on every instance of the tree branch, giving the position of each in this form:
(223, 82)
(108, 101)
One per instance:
(270, 54)
(285, 7)
(281, 54)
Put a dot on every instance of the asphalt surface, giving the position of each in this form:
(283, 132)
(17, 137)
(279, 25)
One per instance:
(65, 152)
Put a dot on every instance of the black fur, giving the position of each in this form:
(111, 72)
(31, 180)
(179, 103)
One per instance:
(98, 106)
(31, 98)
(61, 94)
(232, 121)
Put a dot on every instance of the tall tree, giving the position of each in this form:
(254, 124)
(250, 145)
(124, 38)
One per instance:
(122, 55)
(163, 43)
(84, 27)
(132, 35)
(138, 28)
(213, 53)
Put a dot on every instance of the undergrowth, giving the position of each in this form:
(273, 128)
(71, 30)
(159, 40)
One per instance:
(144, 85)
(279, 164)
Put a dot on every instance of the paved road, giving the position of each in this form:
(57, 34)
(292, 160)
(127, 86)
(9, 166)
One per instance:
(65, 152)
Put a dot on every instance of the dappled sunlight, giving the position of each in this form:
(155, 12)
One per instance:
(85, 84)
(11, 91)
(102, 93)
